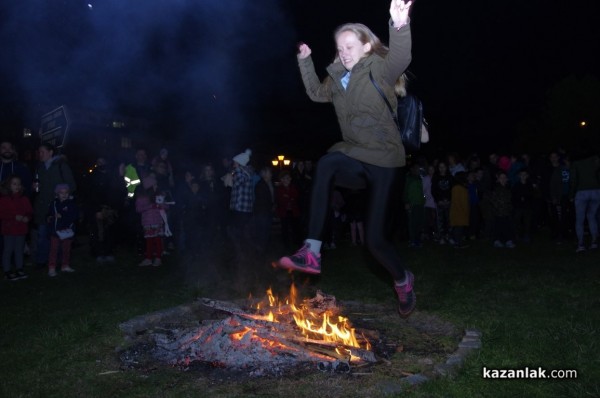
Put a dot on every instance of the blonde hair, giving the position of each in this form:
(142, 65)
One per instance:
(400, 86)
(365, 35)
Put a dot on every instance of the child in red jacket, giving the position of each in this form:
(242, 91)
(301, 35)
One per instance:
(150, 204)
(15, 213)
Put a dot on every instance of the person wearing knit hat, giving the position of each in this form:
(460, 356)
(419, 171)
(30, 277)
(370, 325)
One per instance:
(241, 203)
(243, 158)
(60, 187)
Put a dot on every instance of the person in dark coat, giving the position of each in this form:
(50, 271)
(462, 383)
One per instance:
(52, 170)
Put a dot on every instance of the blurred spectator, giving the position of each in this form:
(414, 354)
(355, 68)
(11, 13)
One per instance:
(585, 192)
(51, 171)
(264, 205)
(137, 170)
(501, 201)
(441, 185)
(356, 203)
(334, 224)
(242, 200)
(217, 203)
(194, 218)
(414, 201)
(459, 210)
(473, 187)
(560, 207)
(163, 157)
(62, 216)
(454, 164)
(10, 166)
(430, 209)
(522, 199)
(15, 213)
(288, 210)
(105, 196)
(149, 202)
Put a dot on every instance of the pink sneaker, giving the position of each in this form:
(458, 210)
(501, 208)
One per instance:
(303, 260)
(407, 300)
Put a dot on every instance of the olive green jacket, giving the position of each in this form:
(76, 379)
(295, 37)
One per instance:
(369, 132)
(58, 172)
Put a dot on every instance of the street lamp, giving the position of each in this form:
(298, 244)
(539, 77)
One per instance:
(281, 161)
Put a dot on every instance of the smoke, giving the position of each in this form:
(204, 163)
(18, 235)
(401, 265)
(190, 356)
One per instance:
(195, 66)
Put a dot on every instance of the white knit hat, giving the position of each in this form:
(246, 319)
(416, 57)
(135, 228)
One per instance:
(243, 158)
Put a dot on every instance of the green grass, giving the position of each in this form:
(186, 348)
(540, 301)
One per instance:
(536, 306)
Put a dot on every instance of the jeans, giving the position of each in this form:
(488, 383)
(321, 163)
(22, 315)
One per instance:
(13, 244)
(43, 244)
(586, 207)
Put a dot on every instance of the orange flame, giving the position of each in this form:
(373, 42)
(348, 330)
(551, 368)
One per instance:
(314, 326)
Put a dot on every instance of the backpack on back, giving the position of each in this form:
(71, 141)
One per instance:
(408, 118)
(410, 121)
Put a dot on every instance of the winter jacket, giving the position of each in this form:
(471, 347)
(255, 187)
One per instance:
(459, 206)
(68, 211)
(242, 191)
(10, 207)
(57, 172)
(149, 210)
(369, 132)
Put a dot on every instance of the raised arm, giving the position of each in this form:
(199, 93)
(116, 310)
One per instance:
(399, 10)
(317, 91)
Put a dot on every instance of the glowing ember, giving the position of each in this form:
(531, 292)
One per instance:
(274, 336)
(324, 325)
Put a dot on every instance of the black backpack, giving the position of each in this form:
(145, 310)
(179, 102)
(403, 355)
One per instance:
(408, 117)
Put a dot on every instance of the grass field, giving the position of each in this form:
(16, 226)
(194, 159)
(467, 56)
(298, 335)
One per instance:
(536, 305)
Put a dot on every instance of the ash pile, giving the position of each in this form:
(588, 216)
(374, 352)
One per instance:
(265, 337)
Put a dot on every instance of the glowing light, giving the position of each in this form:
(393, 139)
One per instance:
(286, 162)
(583, 123)
(90, 6)
(275, 162)
(280, 157)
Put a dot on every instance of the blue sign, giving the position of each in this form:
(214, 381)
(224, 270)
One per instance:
(55, 125)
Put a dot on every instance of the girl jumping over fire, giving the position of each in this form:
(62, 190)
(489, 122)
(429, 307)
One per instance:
(371, 154)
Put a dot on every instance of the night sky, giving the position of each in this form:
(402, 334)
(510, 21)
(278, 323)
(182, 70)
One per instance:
(223, 72)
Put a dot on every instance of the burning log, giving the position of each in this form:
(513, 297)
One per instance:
(224, 306)
(266, 338)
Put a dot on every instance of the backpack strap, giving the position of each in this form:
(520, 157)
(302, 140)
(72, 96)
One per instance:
(380, 91)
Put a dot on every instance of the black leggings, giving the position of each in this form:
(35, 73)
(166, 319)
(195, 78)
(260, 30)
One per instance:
(381, 183)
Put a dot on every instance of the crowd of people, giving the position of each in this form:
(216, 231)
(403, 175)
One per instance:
(505, 200)
(156, 208)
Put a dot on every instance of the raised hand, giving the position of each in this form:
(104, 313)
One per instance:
(399, 12)
(303, 51)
